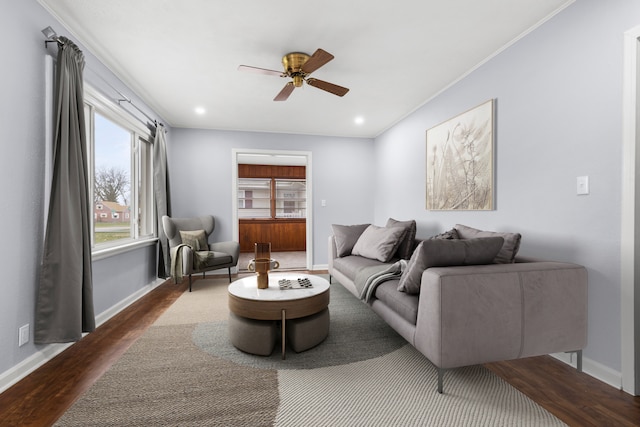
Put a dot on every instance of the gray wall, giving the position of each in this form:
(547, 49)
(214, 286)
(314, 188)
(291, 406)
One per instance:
(200, 170)
(22, 180)
(559, 99)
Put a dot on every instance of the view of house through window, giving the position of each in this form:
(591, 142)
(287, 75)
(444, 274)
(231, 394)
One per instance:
(112, 181)
(121, 165)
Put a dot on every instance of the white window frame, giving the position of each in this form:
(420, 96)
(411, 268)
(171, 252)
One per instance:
(142, 198)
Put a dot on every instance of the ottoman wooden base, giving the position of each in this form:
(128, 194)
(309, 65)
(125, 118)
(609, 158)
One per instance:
(253, 336)
(307, 332)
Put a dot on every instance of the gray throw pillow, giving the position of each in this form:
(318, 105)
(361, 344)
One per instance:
(197, 239)
(408, 240)
(445, 253)
(509, 250)
(346, 236)
(379, 243)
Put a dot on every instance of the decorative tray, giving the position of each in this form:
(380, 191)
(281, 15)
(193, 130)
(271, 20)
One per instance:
(301, 283)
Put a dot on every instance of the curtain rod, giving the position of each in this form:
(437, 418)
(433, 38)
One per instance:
(52, 37)
(125, 99)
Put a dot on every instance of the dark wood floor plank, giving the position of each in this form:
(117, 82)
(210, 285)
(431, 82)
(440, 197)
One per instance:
(574, 397)
(43, 396)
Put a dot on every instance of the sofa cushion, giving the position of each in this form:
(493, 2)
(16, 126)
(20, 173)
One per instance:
(402, 303)
(408, 239)
(346, 236)
(509, 249)
(350, 265)
(443, 253)
(197, 239)
(379, 243)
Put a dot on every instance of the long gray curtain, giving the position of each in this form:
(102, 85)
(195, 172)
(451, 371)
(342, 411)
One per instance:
(163, 202)
(64, 308)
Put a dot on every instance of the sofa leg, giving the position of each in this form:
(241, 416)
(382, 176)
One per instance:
(440, 379)
(329, 279)
(579, 360)
(229, 274)
(189, 283)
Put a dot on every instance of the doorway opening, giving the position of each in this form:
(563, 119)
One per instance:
(270, 198)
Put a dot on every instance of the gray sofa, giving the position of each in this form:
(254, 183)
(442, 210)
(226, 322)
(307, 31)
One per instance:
(473, 314)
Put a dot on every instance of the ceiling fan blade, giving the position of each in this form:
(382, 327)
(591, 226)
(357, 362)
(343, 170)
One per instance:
(317, 60)
(258, 70)
(285, 92)
(329, 87)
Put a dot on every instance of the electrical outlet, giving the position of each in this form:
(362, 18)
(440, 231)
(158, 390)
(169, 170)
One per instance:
(23, 335)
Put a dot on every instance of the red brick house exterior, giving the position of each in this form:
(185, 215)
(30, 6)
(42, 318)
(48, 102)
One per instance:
(107, 212)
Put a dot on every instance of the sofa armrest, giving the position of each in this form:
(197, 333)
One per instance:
(333, 253)
(479, 314)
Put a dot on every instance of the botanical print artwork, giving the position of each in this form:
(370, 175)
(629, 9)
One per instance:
(460, 161)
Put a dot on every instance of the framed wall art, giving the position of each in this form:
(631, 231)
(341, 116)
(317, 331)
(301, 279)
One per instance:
(460, 167)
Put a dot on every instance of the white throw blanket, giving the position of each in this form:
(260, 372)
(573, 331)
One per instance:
(394, 271)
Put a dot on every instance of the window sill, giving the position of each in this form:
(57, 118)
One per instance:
(102, 253)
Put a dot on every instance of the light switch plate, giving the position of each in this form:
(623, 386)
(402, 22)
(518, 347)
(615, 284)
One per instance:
(582, 183)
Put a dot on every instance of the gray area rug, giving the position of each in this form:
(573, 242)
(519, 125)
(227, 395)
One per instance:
(184, 372)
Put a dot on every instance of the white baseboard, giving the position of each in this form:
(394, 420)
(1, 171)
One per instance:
(593, 368)
(320, 267)
(117, 308)
(30, 364)
(48, 352)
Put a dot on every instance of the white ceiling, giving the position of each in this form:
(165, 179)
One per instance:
(393, 55)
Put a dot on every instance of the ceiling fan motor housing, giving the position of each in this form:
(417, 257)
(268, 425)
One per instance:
(293, 66)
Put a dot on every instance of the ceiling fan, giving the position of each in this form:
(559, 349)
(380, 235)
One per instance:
(298, 66)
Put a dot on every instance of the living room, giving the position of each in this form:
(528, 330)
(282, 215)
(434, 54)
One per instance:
(559, 115)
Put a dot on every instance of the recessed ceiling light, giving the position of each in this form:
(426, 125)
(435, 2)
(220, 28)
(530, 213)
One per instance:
(359, 120)
(200, 110)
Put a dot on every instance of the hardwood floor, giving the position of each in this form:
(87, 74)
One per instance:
(43, 396)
